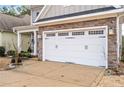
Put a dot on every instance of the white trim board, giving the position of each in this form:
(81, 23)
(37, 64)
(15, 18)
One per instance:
(75, 29)
(25, 31)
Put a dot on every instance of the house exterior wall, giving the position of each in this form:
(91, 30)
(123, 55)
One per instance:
(57, 10)
(0, 39)
(10, 38)
(26, 41)
(110, 22)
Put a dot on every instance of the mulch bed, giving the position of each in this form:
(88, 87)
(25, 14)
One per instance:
(116, 70)
(4, 63)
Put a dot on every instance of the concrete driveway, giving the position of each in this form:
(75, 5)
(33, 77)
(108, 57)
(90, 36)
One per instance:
(50, 74)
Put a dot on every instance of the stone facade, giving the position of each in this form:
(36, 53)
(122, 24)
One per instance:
(110, 22)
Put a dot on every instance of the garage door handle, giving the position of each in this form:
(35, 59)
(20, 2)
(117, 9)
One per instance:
(56, 46)
(104, 53)
(86, 47)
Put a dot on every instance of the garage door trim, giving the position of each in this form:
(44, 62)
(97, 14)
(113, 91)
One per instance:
(76, 29)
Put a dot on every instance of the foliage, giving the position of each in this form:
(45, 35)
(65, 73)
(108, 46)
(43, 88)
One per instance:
(122, 58)
(11, 53)
(8, 10)
(25, 54)
(2, 51)
(15, 10)
(23, 10)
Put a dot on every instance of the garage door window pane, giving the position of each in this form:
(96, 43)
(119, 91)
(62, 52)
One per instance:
(63, 34)
(50, 34)
(77, 33)
(96, 32)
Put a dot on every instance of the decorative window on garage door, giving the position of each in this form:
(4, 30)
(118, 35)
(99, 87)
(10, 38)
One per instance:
(98, 32)
(50, 34)
(63, 33)
(77, 33)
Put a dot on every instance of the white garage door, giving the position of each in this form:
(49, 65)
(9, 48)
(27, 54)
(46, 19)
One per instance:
(86, 47)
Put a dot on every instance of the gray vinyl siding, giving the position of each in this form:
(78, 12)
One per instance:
(56, 10)
(34, 12)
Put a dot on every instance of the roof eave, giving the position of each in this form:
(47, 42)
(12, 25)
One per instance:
(63, 20)
(19, 28)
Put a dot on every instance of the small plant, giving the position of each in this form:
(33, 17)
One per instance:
(116, 69)
(16, 59)
(19, 60)
(25, 54)
(2, 51)
(11, 53)
(122, 58)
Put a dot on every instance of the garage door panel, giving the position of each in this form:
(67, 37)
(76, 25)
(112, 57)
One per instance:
(84, 61)
(87, 49)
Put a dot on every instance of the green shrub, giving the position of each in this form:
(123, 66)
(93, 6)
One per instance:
(25, 54)
(122, 58)
(122, 50)
(11, 53)
(2, 51)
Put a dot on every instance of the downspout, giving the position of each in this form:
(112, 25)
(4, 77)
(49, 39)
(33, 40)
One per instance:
(118, 36)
